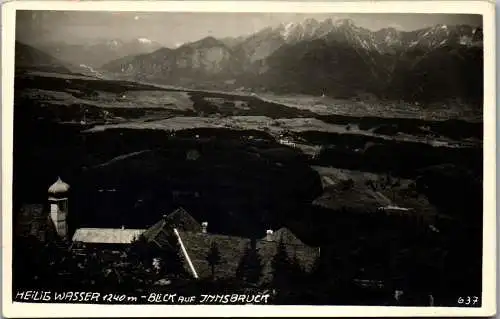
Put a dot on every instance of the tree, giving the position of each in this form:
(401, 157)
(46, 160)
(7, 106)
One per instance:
(318, 282)
(281, 266)
(30, 261)
(317, 269)
(388, 182)
(170, 255)
(296, 270)
(94, 267)
(140, 251)
(174, 262)
(250, 266)
(213, 257)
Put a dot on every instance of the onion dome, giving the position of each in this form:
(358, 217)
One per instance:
(58, 188)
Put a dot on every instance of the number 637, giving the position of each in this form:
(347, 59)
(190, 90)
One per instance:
(468, 300)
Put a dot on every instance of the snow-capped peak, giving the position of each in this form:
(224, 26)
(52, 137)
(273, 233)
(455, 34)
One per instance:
(307, 28)
(114, 43)
(287, 29)
(144, 40)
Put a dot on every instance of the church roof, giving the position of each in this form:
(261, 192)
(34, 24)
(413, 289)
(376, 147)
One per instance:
(106, 235)
(58, 187)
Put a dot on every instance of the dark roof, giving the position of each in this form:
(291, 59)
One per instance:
(30, 211)
(33, 220)
(232, 248)
(182, 220)
(160, 232)
(286, 236)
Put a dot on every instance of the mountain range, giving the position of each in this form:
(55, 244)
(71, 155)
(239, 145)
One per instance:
(96, 52)
(330, 57)
(336, 58)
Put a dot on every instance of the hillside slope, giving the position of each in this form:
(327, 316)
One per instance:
(28, 57)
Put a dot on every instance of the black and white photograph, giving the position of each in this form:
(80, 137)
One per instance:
(222, 158)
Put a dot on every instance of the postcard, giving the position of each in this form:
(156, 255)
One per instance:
(215, 158)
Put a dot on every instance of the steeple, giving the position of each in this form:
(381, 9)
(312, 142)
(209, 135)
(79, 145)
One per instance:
(58, 188)
(58, 203)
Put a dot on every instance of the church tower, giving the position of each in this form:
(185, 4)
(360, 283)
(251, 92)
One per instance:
(58, 205)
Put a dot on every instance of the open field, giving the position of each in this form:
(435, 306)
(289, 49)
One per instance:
(119, 96)
(233, 110)
(112, 104)
(389, 109)
(368, 107)
(274, 127)
(368, 190)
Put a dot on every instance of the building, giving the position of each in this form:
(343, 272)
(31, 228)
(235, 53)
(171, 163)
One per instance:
(177, 229)
(232, 249)
(106, 236)
(117, 238)
(196, 242)
(161, 233)
(33, 219)
(58, 205)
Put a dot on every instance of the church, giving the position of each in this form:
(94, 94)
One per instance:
(49, 223)
(194, 238)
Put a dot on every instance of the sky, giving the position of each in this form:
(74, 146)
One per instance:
(172, 29)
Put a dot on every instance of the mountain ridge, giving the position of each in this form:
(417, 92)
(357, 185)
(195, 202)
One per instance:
(27, 56)
(97, 52)
(336, 58)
